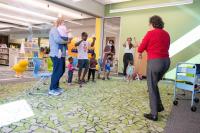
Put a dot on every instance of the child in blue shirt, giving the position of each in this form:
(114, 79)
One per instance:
(107, 67)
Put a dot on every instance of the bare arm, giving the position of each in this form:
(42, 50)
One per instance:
(136, 43)
(124, 44)
(93, 42)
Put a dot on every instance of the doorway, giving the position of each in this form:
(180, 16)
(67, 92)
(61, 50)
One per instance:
(112, 32)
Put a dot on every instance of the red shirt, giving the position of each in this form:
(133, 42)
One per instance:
(156, 42)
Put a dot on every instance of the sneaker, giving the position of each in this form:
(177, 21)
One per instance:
(54, 93)
(69, 84)
(60, 90)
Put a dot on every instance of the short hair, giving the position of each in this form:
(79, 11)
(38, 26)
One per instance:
(112, 41)
(93, 54)
(84, 34)
(70, 59)
(156, 22)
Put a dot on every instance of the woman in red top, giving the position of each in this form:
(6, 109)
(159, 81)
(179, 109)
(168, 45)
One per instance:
(156, 43)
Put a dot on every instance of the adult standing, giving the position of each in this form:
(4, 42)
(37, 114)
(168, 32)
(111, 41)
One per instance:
(109, 50)
(156, 42)
(112, 50)
(128, 53)
(58, 63)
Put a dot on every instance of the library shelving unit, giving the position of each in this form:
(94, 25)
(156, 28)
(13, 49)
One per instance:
(4, 56)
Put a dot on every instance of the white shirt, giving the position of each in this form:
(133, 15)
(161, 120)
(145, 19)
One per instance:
(62, 29)
(83, 50)
(127, 50)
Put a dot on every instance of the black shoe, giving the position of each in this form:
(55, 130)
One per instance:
(151, 117)
(108, 78)
(103, 79)
(83, 81)
(161, 108)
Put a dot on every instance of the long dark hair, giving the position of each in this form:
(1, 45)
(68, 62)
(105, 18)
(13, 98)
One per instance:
(112, 47)
(130, 45)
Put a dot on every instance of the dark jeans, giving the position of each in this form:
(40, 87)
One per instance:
(70, 76)
(58, 71)
(91, 72)
(155, 71)
(127, 57)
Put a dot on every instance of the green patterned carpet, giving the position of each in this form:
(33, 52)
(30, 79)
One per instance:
(105, 106)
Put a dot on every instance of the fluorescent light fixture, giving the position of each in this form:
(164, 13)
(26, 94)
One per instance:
(2, 25)
(18, 22)
(114, 33)
(24, 11)
(14, 112)
(73, 22)
(152, 6)
(4, 30)
(108, 26)
(21, 18)
(185, 41)
(51, 7)
(111, 1)
(76, 0)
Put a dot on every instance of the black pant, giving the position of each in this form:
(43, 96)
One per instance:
(91, 71)
(70, 76)
(58, 71)
(127, 57)
(155, 71)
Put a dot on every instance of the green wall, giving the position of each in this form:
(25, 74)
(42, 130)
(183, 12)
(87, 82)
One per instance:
(178, 21)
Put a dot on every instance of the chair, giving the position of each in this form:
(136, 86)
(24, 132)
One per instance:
(37, 75)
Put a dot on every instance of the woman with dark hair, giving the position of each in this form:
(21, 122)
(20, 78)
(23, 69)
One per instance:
(109, 50)
(128, 53)
(156, 43)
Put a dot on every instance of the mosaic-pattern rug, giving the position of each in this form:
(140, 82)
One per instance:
(113, 106)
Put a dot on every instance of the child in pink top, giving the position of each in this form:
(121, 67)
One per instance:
(70, 70)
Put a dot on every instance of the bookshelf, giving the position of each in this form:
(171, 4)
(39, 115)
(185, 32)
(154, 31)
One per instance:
(4, 56)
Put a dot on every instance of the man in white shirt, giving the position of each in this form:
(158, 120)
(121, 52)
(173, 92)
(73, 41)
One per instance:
(83, 62)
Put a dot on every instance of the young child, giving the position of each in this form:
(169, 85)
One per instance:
(70, 70)
(130, 71)
(100, 66)
(83, 62)
(107, 67)
(92, 67)
(63, 32)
